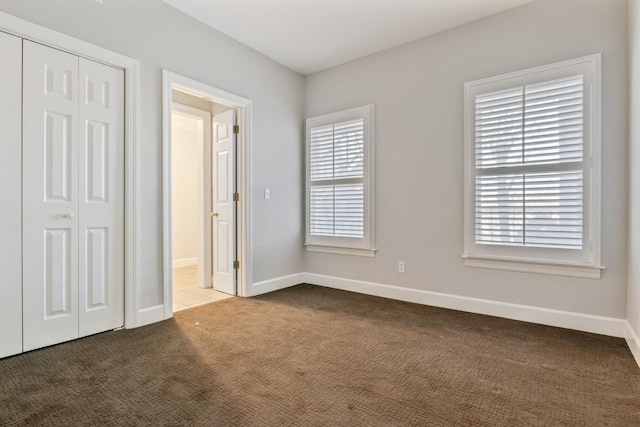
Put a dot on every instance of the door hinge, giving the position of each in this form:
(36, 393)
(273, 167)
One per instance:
(236, 197)
(236, 265)
(236, 129)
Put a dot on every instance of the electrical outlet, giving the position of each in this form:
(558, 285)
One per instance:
(400, 266)
(267, 193)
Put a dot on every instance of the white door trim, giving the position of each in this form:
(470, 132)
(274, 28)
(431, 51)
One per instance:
(171, 81)
(27, 30)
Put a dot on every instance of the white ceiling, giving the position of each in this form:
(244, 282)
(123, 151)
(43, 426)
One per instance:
(311, 35)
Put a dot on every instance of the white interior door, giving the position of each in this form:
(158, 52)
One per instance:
(101, 198)
(10, 194)
(50, 196)
(223, 214)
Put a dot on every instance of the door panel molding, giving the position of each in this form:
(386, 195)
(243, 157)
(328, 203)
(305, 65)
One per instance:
(223, 177)
(49, 196)
(101, 197)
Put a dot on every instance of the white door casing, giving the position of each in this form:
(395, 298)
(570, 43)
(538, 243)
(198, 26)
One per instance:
(243, 107)
(10, 194)
(50, 196)
(73, 225)
(223, 213)
(101, 198)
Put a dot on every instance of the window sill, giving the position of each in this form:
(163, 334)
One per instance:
(342, 251)
(532, 266)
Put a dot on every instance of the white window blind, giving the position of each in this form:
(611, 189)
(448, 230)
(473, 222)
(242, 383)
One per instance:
(337, 175)
(536, 131)
(340, 166)
(532, 170)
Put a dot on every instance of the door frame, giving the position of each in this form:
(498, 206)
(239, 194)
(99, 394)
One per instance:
(243, 106)
(19, 27)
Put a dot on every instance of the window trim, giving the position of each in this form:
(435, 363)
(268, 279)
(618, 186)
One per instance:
(343, 245)
(543, 262)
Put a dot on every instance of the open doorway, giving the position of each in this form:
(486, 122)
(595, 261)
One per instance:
(205, 223)
(191, 190)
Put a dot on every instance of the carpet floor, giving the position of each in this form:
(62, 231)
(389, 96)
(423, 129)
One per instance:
(312, 356)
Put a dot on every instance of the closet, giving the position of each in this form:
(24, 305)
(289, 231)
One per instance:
(62, 224)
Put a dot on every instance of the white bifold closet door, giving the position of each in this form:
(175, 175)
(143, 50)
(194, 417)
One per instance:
(73, 201)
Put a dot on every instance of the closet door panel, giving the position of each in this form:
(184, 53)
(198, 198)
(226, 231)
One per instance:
(101, 197)
(50, 196)
(10, 195)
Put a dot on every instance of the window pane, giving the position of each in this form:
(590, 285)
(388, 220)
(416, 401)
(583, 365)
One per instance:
(321, 210)
(553, 209)
(349, 210)
(321, 153)
(499, 128)
(349, 149)
(499, 209)
(337, 151)
(554, 121)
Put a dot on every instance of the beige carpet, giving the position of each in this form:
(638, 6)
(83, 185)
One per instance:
(311, 356)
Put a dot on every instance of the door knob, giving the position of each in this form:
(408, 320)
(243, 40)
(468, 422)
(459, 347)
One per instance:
(214, 214)
(69, 215)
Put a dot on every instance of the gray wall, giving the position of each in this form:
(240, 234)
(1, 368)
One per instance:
(633, 310)
(161, 37)
(417, 90)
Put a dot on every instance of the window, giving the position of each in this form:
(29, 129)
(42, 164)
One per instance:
(532, 164)
(340, 182)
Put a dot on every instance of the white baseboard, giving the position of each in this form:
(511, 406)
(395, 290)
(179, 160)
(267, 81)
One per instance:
(633, 341)
(150, 315)
(276, 284)
(544, 316)
(184, 262)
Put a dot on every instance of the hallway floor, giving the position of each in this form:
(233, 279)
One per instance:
(187, 294)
